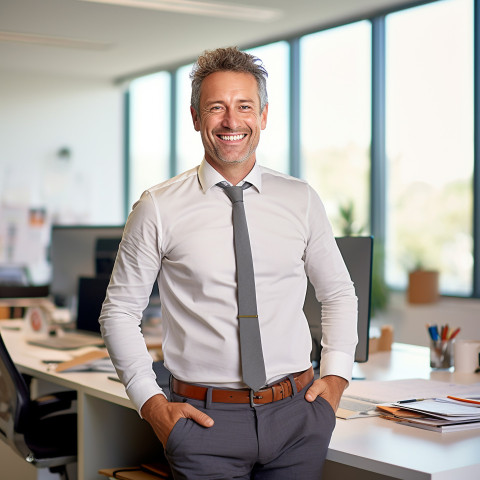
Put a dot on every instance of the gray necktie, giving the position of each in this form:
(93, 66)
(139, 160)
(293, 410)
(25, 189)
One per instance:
(253, 366)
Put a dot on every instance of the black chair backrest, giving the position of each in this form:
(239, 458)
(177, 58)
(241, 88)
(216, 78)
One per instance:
(14, 397)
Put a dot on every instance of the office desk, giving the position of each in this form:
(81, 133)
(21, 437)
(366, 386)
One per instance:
(110, 431)
(397, 451)
(112, 434)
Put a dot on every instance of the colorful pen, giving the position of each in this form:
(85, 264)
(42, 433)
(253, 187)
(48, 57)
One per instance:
(444, 332)
(466, 400)
(433, 331)
(454, 334)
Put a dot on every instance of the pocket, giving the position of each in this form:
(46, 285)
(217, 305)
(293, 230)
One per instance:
(176, 435)
(327, 408)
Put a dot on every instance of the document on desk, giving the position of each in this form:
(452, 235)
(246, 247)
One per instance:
(442, 408)
(362, 396)
(395, 390)
(350, 407)
(438, 414)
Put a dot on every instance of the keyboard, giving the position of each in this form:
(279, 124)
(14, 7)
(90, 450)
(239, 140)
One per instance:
(68, 341)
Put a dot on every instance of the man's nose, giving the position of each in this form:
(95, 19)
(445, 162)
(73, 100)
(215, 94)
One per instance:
(230, 119)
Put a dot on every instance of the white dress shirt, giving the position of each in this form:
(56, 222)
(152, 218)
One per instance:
(180, 233)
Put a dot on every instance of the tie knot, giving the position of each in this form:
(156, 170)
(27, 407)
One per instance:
(235, 194)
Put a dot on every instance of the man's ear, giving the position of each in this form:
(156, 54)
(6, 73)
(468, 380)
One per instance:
(264, 115)
(195, 118)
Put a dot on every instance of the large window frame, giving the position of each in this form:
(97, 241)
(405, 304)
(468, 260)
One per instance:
(378, 115)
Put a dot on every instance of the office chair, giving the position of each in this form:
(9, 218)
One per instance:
(36, 429)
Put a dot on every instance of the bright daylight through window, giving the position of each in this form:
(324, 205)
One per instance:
(430, 143)
(335, 121)
(428, 182)
(149, 132)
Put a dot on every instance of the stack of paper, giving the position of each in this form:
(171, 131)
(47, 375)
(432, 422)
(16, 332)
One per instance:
(439, 414)
(362, 396)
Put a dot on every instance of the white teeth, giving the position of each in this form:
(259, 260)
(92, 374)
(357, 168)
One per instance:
(231, 138)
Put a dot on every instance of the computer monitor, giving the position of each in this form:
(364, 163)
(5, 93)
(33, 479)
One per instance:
(91, 294)
(79, 251)
(105, 254)
(357, 254)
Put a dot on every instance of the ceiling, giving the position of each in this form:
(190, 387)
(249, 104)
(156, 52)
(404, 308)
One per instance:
(90, 39)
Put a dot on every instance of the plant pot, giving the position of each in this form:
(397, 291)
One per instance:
(423, 286)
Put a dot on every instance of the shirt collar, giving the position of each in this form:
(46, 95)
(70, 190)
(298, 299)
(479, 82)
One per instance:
(208, 176)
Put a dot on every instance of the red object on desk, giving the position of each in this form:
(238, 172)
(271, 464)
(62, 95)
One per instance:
(444, 332)
(454, 334)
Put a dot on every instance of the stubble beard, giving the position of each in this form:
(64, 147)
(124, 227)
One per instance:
(216, 151)
(238, 161)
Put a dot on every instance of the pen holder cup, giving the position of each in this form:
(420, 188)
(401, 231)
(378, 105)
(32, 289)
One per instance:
(441, 354)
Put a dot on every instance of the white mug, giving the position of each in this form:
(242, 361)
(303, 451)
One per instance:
(466, 355)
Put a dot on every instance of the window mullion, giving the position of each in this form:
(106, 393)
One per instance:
(173, 123)
(378, 155)
(476, 150)
(126, 153)
(294, 126)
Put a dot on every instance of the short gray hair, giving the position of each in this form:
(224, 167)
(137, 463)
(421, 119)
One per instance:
(229, 59)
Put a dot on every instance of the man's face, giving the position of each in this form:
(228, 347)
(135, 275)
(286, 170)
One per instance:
(229, 118)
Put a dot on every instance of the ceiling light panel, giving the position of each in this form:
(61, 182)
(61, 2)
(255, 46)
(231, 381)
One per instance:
(210, 9)
(49, 41)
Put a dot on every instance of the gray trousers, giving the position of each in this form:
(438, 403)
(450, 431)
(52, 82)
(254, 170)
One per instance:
(283, 440)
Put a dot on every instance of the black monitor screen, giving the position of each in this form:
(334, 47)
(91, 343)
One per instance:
(79, 251)
(91, 294)
(357, 255)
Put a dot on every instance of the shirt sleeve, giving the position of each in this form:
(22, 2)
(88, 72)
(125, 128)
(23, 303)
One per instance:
(136, 269)
(329, 276)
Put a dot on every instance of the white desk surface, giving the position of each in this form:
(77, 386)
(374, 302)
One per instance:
(28, 358)
(371, 444)
(109, 435)
(399, 451)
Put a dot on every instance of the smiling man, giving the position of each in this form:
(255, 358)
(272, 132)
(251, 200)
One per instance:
(180, 234)
(229, 119)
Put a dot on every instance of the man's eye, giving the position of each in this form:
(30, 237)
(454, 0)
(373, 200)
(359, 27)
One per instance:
(245, 107)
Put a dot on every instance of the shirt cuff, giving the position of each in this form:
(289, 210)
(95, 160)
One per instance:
(336, 363)
(141, 391)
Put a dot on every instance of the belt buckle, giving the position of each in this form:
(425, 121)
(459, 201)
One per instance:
(252, 398)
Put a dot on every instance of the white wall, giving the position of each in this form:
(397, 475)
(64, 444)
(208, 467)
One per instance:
(39, 114)
(409, 320)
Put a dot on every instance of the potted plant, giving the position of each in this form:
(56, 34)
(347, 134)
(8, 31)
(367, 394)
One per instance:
(422, 285)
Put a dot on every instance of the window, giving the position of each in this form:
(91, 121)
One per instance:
(335, 115)
(149, 133)
(189, 143)
(272, 150)
(429, 137)
(429, 132)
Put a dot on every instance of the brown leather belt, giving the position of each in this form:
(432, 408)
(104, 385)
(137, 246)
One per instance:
(275, 392)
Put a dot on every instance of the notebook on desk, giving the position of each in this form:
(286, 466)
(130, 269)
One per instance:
(91, 294)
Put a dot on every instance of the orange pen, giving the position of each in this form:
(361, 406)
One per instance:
(466, 400)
